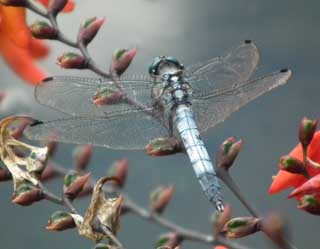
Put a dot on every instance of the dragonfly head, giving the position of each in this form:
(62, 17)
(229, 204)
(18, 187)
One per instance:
(162, 65)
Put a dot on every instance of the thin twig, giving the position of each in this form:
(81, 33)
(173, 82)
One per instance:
(111, 236)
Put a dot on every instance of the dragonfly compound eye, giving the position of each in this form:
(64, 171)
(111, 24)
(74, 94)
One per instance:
(163, 64)
(153, 68)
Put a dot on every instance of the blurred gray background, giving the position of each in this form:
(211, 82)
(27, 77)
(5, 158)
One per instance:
(287, 34)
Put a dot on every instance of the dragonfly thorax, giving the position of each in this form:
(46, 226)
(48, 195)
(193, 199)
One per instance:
(170, 71)
(163, 65)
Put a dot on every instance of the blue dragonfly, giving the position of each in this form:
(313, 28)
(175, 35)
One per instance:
(170, 101)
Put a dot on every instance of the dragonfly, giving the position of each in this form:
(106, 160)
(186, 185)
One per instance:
(170, 101)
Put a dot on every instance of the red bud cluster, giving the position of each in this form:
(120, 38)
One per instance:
(121, 59)
(119, 170)
(60, 221)
(16, 3)
(49, 173)
(42, 30)
(74, 184)
(81, 156)
(89, 28)
(292, 165)
(307, 130)
(241, 227)
(310, 204)
(169, 241)
(72, 60)
(26, 194)
(55, 6)
(220, 219)
(160, 198)
(228, 152)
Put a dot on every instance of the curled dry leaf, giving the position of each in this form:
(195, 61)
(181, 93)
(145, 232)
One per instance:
(22, 168)
(105, 211)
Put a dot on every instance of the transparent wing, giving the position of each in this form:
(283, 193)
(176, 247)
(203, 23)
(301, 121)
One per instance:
(131, 131)
(74, 95)
(214, 107)
(236, 66)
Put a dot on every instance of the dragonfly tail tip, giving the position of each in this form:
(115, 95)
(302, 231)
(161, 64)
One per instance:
(220, 206)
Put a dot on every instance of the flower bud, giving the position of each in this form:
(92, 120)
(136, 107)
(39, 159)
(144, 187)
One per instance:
(311, 186)
(121, 59)
(169, 241)
(310, 204)
(220, 219)
(55, 6)
(291, 165)
(52, 146)
(74, 184)
(307, 130)
(89, 28)
(228, 152)
(17, 131)
(81, 156)
(72, 60)
(5, 175)
(241, 227)
(16, 3)
(87, 190)
(119, 170)
(26, 194)
(60, 221)
(102, 246)
(160, 198)
(49, 173)
(107, 96)
(163, 147)
(273, 226)
(42, 30)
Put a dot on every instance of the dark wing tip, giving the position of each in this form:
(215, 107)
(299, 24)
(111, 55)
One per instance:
(36, 122)
(47, 79)
(248, 41)
(284, 70)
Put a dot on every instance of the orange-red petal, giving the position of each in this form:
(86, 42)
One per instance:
(284, 180)
(22, 62)
(38, 48)
(312, 186)
(69, 6)
(17, 46)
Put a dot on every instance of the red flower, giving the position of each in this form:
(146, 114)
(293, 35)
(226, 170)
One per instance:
(69, 7)
(17, 47)
(284, 179)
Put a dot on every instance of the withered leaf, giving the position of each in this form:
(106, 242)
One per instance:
(104, 210)
(23, 168)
